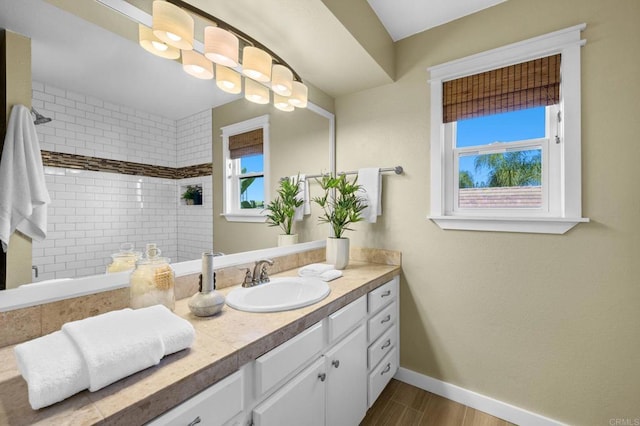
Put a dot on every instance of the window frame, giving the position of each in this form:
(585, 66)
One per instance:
(564, 194)
(231, 173)
(550, 169)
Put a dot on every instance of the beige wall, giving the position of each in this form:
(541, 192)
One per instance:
(18, 91)
(548, 323)
(299, 143)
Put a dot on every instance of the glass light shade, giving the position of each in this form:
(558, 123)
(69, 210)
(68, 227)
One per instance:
(197, 65)
(221, 47)
(299, 95)
(282, 103)
(154, 45)
(228, 80)
(172, 25)
(281, 80)
(256, 64)
(255, 92)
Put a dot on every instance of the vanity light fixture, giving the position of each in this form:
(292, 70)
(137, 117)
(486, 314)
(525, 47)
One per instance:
(228, 80)
(197, 65)
(221, 47)
(281, 80)
(282, 103)
(256, 64)
(172, 25)
(173, 32)
(255, 92)
(154, 45)
(299, 95)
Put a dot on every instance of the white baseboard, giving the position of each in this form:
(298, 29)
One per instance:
(475, 400)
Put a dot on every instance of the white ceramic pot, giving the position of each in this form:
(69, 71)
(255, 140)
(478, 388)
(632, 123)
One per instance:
(338, 252)
(287, 240)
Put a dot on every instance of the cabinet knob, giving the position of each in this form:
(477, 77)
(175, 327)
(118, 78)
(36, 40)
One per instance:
(386, 319)
(335, 363)
(386, 344)
(386, 293)
(195, 421)
(322, 377)
(386, 369)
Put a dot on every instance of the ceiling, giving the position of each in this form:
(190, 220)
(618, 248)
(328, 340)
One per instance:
(78, 55)
(404, 18)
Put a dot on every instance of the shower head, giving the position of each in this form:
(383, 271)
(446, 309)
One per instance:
(39, 118)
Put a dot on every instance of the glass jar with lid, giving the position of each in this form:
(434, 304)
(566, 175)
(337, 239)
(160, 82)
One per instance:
(153, 281)
(124, 260)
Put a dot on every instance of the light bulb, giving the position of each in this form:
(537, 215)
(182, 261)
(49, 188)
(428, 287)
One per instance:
(174, 37)
(159, 46)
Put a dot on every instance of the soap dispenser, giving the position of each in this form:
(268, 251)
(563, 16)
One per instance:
(207, 301)
(153, 281)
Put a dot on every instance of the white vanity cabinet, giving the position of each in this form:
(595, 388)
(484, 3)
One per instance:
(383, 337)
(214, 406)
(333, 389)
(327, 375)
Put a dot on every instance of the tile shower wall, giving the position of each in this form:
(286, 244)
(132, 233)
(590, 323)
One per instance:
(195, 223)
(92, 213)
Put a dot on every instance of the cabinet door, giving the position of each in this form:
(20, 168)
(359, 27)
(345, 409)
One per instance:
(300, 402)
(347, 380)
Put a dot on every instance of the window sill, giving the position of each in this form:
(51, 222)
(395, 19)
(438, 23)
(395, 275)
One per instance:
(509, 224)
(247, 217)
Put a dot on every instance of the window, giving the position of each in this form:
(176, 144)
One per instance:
(246, 151)
(505, 137)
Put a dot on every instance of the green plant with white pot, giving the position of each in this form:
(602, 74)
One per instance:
(341, 206)
(281, 210)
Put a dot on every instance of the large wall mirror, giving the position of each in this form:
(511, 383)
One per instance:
(110, 100)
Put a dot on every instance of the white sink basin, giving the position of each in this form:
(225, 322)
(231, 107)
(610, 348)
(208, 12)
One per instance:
(280, 294)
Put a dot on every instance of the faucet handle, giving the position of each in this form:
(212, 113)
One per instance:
(248, 278)
(264, 275)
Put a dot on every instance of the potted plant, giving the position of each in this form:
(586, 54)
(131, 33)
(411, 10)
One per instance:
(281, 210)
(193, 194)
(341, 207)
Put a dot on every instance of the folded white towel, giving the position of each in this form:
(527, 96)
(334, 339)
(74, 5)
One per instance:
(115, 345)
(371, 181)
(315, 269)
(330, 275)
(303, 195)
(97, 351)
(52, 367)
(176, 333)
(23, 191)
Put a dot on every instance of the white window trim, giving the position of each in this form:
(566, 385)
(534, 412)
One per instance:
(567, 42)
(247, 215)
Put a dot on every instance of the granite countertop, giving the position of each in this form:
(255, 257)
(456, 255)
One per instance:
(222, 345)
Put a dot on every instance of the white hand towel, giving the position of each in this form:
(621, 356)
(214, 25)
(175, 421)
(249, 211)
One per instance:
(23, 192)
(303, 195)
(176, 333)
(371, 181)
(330, 275)
(115, 345)
(315, 269)
(52, 367)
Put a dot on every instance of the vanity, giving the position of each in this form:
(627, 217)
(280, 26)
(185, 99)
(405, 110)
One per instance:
(325, 363)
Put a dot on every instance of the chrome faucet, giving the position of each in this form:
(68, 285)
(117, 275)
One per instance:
(259, 276)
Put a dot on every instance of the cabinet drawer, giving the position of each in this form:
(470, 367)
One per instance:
(382, 346)
(382, 295)
(381, 375)
(278, 363)
(347, 318)
(382, 321)
(214, 406)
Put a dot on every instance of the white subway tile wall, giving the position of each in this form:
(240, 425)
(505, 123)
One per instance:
(92, 213)
(194, 139)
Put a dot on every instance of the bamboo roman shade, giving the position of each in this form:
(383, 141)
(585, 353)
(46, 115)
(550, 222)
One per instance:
(245, 144)
(525, 85)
